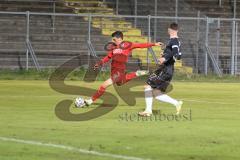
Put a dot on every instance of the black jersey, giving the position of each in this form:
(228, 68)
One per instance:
(160, 79)
(172, 51)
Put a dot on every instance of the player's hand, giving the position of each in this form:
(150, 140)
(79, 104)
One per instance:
(163, 46)
(161, 54)
(96, 66)
(159, 44)
(162, 60)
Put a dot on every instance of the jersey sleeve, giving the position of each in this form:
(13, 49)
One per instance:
(176, 50)
(106, 58)
(142, 45)
(175, 47)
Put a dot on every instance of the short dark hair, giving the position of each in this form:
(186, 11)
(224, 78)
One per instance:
(173, 26)
(117, 34)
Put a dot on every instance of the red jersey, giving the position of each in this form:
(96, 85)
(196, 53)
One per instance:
(120, 56)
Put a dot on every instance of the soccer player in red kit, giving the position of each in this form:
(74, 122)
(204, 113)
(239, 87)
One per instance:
(119, 56)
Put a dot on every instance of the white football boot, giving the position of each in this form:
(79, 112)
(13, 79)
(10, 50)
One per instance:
(141, 73)
(179, 107)
(88, 102)
(145, 114)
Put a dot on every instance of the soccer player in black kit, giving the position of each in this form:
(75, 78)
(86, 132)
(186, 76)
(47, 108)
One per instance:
(158, 82)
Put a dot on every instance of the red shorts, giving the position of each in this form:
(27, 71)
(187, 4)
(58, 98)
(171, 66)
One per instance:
(119, 76)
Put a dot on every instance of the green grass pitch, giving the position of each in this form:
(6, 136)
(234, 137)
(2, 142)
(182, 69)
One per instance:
(27, 113)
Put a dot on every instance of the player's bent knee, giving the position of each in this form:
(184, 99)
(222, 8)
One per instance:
(119, 84)
(157, 92)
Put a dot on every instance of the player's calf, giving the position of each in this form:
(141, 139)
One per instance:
(149, 100)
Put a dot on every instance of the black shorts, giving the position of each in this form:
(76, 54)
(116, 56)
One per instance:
(161, 78)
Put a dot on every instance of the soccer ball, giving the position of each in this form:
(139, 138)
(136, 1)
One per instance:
(79, 102)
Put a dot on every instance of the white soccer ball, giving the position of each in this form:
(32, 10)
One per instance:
(79, 102)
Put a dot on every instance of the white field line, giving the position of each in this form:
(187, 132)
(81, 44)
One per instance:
(69, 148)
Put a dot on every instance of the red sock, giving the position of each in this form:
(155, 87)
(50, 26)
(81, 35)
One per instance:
(99, 93)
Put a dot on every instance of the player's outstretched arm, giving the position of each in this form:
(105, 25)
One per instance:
(103, 60)
(159, 44)
(146, 45)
